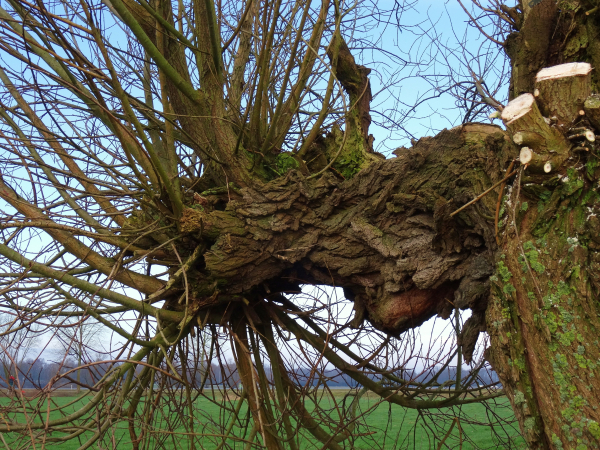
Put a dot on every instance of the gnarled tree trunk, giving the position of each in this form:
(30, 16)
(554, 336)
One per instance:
(260, 221)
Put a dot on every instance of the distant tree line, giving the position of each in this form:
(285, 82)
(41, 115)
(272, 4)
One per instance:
(40, 373)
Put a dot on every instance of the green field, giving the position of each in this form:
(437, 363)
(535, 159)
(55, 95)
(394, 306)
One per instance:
(383, 426)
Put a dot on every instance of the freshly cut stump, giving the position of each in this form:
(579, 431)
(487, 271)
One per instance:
(563, 90)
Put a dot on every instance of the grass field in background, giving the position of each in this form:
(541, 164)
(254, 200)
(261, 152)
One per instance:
(385, 426)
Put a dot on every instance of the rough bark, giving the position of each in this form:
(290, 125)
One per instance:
(543, 311)
(549, 33)
(386, 236)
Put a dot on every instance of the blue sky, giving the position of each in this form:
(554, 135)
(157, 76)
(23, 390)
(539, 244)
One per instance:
(428, 38)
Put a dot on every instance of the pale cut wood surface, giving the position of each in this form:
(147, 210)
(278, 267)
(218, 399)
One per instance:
(563, 70)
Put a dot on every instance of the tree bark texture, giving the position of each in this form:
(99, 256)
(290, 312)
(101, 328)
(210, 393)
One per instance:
(548, 33)
(386, 236)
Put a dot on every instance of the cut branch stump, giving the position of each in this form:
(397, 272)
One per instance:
(562, 91)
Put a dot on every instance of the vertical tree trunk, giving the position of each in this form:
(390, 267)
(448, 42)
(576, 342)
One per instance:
(543, 312)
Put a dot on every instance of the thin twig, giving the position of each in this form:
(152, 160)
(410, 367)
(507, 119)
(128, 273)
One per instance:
(484, 193)
(447, 434)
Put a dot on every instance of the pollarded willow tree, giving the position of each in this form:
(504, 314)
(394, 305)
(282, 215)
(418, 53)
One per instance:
(173, 170)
